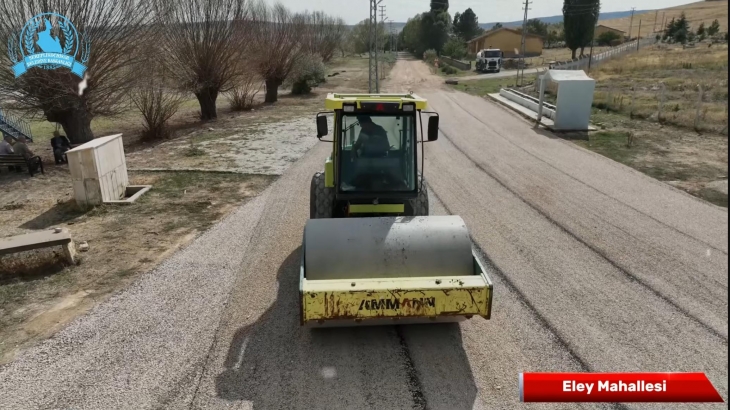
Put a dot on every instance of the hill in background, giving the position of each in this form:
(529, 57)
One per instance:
(559, 19)
(703, 11)
(697, 13)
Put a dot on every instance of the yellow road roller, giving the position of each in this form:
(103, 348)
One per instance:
(371, 253)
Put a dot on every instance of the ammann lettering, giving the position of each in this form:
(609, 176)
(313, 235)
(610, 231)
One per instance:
(396, 304)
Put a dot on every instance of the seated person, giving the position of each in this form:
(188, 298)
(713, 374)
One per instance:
(372, 141)
(6, 145)
(6, 148)
(21, 148)
(60, 145)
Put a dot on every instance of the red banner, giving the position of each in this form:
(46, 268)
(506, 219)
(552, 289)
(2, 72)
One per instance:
(617, 388)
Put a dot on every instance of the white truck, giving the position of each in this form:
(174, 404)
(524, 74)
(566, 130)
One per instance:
(490, 60)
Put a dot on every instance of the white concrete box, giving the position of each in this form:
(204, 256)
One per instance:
(99, 171)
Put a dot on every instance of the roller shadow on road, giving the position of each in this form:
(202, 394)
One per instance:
(275, 363)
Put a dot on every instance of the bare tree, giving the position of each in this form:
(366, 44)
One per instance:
(276, 46)
(241, 96)
(110, 31)
(322, 34)
(156, 99)
(202, 42)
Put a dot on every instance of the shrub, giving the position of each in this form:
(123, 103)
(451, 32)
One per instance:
(447, 69)
(157, 104)
(605, 39)
(309, 72)
(454, 48)
(244, 91)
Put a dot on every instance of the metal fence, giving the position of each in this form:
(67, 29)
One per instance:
(607, 55)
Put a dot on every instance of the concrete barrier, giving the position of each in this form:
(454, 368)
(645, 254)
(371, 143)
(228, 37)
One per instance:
(527, 101)
(461, 65)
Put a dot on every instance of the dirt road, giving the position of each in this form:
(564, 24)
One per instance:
(596, 268)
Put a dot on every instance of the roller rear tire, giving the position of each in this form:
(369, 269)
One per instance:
(321, 198)
(419, 206)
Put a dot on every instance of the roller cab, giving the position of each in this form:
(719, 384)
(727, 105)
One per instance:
(371, 271)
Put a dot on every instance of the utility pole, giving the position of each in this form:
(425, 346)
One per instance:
(631, 24)
(593, 41)
(638, 39)
(391, 35)
(373, 75)
(521, 63)
(656, 20)
(382, 21)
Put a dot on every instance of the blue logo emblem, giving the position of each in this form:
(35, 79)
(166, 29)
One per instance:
(49, 41)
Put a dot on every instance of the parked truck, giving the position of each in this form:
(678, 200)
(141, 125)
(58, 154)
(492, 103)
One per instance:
(490, 60)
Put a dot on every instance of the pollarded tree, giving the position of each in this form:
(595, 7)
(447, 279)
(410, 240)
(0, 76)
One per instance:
(275, 44)
(110, 33)
(322, 34)
(580, 17)
(202, 43)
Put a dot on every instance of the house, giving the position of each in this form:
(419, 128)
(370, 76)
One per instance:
(509, 41)
(600, 29)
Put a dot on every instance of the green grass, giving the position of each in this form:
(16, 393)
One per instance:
(612, 144)
(715, 197)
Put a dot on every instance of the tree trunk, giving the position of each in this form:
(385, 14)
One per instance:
(573, 51)
(206, 98)
(272, 90)
(76, 123)
(582, 52)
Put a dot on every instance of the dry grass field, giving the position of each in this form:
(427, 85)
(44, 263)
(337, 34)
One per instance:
(697, 13)
(681, 72)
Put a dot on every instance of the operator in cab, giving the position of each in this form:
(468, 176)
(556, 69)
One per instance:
(372, 141)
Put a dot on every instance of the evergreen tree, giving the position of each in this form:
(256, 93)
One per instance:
(435, 25)
(580, 17)
(466, 25)
(714, 28)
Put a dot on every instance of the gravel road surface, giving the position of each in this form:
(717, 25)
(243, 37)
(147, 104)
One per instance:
(596, 268)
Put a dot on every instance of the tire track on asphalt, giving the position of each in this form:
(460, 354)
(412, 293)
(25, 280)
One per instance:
(446, 95)
(542, 320)
(603, 255)
(415, 386)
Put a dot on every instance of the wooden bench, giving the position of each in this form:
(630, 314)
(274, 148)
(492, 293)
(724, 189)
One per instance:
(19, 161)
(39, 240)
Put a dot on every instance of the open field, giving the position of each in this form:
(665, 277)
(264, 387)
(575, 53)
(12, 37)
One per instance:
(697, 164)
(697, 13)
(199, 175)
(680, 73)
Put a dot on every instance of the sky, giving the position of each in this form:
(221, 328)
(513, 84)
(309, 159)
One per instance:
(354, 11)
